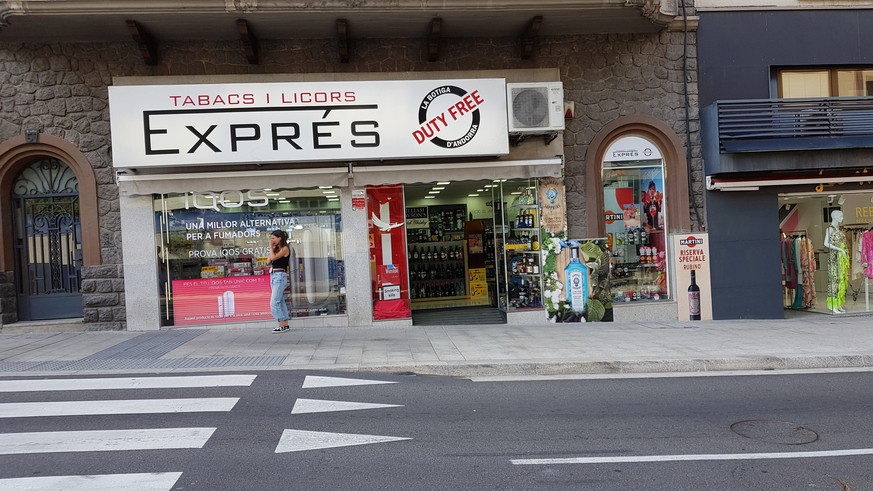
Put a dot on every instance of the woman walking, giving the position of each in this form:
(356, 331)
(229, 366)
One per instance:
(279, 259)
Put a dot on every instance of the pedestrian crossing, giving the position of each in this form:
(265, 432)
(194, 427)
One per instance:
(110, 440)
(137, 439)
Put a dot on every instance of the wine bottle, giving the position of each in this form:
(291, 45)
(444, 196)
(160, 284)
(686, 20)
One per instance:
(693, 298)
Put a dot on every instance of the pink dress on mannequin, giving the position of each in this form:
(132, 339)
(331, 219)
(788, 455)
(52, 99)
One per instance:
(867, 252)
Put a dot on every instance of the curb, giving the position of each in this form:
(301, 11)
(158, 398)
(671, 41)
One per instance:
(524, 367)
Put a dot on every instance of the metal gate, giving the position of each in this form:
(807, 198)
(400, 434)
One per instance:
(48, 247)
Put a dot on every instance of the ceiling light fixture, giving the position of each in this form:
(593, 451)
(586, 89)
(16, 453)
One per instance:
(429, 197)
(443, 183)
(472, 195)
(433, 192)
(438, 188)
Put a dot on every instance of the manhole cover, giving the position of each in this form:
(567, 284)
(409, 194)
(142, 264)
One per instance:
(781, 432)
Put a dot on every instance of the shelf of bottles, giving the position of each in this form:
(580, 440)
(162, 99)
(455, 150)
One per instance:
(637, 264)
(437, 270)
(523, 260)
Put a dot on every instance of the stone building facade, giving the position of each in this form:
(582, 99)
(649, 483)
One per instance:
(617, 82)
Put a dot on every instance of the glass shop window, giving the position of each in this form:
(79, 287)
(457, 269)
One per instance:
(635, 215)
(213, 250)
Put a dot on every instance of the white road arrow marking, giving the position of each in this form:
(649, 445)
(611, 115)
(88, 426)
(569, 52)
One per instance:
(155, 481)
(299, 440)
(303, 406)
(103, 440)
(31, 385)
(312, 382)
(131, 406)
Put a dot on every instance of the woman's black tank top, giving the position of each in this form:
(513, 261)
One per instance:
(281, 263)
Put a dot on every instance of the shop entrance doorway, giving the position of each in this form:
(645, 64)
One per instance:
(458, 234)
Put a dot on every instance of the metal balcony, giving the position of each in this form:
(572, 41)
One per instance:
(768, 125)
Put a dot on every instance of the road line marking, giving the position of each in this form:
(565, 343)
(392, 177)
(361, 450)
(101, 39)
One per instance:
(126, 406)
(313, 382)
(154, 481)
(39, 385)
(299, 440)
(103, 440)
(716, 373)
(676, 458)
(303, 406)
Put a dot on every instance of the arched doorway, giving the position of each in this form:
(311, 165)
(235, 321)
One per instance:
(47, 241)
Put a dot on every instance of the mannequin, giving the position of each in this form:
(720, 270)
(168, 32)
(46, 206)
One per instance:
(838, 264)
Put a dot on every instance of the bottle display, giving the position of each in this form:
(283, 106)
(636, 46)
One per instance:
(693, 298)
(576, 275)
(437, 264)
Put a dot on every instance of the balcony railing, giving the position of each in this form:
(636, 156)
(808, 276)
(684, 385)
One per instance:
(794, 124)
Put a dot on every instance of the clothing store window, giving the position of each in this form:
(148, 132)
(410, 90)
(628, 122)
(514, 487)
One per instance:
(827, 251)
(213, 248)
(635, 212)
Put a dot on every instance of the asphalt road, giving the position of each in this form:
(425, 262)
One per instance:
(283, 430)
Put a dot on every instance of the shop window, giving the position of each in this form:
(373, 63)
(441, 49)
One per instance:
(635, 213)
(827, 251)
(212, 254)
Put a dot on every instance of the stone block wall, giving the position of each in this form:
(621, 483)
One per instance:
(62, 90)
(8, 300)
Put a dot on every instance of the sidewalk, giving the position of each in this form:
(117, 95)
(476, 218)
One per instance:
(810, 341)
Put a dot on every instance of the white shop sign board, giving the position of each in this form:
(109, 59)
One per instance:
(691, 252)
(172, 125)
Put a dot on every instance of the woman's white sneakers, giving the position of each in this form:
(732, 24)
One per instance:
(281, 329)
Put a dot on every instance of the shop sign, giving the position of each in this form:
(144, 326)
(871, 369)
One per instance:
(359, 199)
(692, 254)
(416, 217)
(178, 125)
(632, 148)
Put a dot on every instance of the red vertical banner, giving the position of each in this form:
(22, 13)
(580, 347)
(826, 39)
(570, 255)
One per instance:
(386, 216)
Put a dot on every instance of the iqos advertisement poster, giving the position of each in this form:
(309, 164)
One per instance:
(221, 300)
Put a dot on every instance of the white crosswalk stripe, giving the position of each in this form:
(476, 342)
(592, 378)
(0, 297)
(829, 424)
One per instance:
(156, 481)
(179, 382)
(103, 440)
(127, 406)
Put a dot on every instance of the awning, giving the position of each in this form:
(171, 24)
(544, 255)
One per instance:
(373, 175)
(754, 184)
(130, 184)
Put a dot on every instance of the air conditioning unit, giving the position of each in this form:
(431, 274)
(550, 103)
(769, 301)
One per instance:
(535, 108)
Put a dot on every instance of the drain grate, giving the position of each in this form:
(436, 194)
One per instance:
(780, 432)
(151, 345)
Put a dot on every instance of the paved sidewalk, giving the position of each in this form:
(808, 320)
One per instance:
(810, 341)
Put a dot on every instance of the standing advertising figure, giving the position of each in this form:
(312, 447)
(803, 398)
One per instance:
(838, 264)
(279, 261)
(652, 200)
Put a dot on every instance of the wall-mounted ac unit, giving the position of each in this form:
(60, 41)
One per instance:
(535, 108)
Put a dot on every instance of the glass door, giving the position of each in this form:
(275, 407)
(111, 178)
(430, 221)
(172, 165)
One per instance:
(517, 232)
